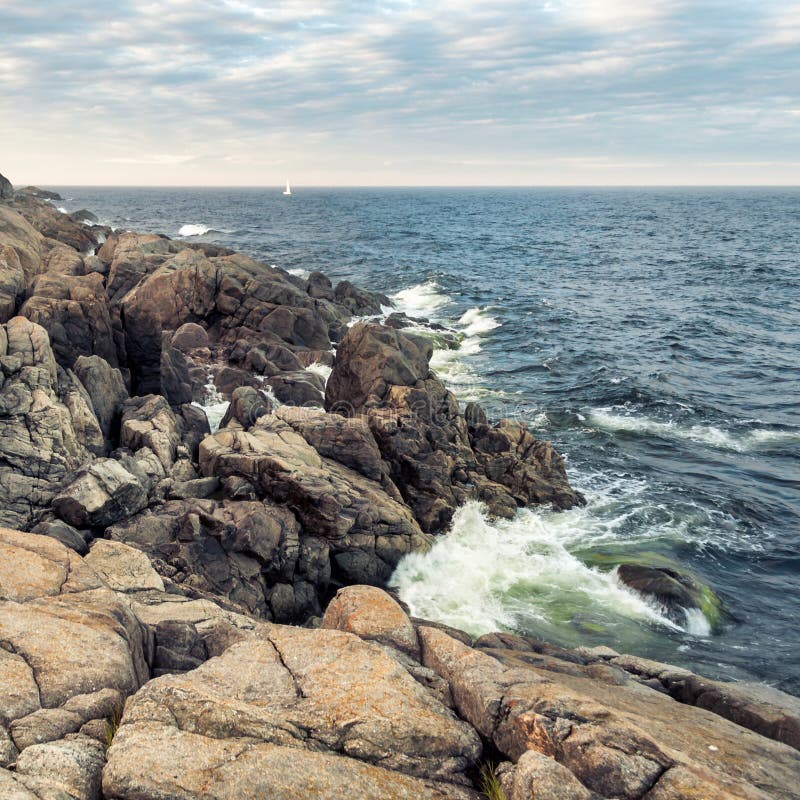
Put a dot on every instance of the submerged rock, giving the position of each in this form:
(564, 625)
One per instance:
(676, 592)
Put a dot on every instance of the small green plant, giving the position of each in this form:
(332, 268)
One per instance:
(490, 784)
(112, 726)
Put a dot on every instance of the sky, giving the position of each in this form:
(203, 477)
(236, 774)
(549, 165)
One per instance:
(440, 92)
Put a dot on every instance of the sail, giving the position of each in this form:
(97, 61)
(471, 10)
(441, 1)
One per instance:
(288, 189)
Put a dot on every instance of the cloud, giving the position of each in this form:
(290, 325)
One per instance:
(132, 89)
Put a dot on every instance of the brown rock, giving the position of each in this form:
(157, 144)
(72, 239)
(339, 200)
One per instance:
(123, 568)
(436, 459)
(308, 690)
(373, 615)
(618, 739)
(367, 530)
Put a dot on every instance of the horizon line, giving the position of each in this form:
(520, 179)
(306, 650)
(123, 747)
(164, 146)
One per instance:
(415, 186)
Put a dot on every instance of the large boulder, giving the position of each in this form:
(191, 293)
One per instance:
(106, 388)
(437, 458)
(367, 530)
(123, 568)
(369, 361)
(676, 592)
(100, 495)
(614, 735)
(74, 311)
(247, 406)
(6, 188)
(39, 446)
(313, 714)
(150, 422)
(373, 615)
(301, 388)
(246, 552)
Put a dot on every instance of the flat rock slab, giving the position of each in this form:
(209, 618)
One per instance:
(149, 761)
(320, 698)
(619, 738)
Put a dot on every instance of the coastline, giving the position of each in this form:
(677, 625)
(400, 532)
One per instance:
(308, 487)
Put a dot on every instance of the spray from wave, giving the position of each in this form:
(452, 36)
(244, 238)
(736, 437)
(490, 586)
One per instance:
(215, 405)
(452, 364)
(516, 574)
(323, 370)
(193, 230)
(420, 300)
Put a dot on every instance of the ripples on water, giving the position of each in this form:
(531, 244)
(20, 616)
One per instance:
(651, 334)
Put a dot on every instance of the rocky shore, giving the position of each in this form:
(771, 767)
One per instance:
(191, 603)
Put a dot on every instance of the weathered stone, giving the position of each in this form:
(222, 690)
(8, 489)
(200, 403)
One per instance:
(105, 387)
(543, 778)
(150, 422)
(68, 536)
(246, 407)
(72, 765)
(232, 549)
(44, 725)
(38, 443)
(100, 495)
(348, 441)
(38, 566)
(150, 762)
(123, 568)
(298, 388)
(373, 615)
(190, 336)
(74, 312)
(618, 740)
(358, 301)
(309, 690)
(368, 531)
(435, 458)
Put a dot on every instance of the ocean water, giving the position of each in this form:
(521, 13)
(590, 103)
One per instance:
(653, 335)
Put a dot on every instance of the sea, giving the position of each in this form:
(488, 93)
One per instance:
(652, 334)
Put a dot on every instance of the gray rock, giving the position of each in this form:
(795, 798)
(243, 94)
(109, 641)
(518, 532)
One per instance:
(105, 387)
(100, 495)
(6, 189)
(68, 536)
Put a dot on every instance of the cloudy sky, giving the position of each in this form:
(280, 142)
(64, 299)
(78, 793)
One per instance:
(330, 92)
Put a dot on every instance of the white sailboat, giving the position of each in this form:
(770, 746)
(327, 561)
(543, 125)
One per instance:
(288, 189)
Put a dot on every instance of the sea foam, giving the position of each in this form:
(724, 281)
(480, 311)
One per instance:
(420, 300)
(193, 230)
(215, 405)
(487, 575)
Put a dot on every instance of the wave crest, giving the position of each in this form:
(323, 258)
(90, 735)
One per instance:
(619, 419)
(193, 230)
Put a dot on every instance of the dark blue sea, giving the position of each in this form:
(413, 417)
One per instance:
(652, 334)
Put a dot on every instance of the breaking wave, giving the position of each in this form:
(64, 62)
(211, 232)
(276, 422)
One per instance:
(618, 419)
(193, 230)
(517, 574)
